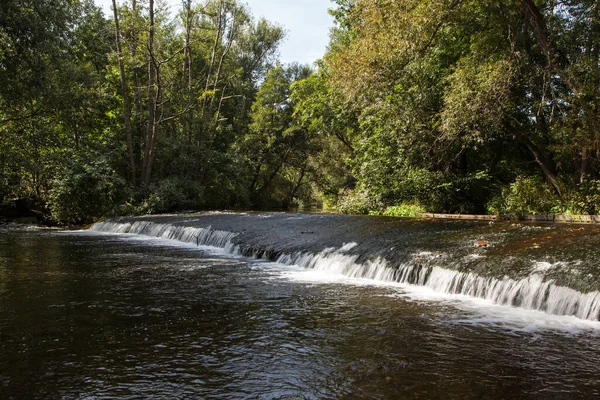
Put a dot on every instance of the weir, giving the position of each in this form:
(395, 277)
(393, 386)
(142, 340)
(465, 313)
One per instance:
(547, 268)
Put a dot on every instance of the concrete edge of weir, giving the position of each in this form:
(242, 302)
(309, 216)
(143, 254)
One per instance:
(564, 218)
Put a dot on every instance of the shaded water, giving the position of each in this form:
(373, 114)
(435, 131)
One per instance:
(89, 315)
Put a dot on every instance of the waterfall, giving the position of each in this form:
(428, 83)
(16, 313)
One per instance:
(185, 234)
(532, 292)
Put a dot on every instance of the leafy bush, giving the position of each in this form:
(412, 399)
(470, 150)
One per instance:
(420, 186)
(173, 194)
(585, 199)
(355, 202)
(84, 191)
(420, 190)
(527, 195)
(404, 210)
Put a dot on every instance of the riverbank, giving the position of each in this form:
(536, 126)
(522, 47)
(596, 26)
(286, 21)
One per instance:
(565, 218)
(549, 218)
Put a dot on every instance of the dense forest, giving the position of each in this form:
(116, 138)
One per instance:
(441, 106)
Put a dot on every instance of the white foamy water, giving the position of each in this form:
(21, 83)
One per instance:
(540, 299)
(198, 237)
(532, 292)
(473, 311)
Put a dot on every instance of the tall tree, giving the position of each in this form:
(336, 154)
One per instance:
(125, 95)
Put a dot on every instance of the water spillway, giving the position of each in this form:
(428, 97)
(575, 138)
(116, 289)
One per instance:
(548, 268)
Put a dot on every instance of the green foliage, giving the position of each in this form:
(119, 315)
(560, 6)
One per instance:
(477, 99)
(456, 99)
(61, 100)
(404, 210)
(355, 202)
(527, 195)
(332, 124)
(340, 13)
(531, 195)
(453, 106)
(83, 192)
(227, 187)
(585, 199)
(276, 149)
(52, 105)
(173, 194)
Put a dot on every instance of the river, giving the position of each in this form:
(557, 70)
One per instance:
(232, 306)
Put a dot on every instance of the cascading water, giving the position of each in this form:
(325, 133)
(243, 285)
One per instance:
(533, 291)
(185, 234)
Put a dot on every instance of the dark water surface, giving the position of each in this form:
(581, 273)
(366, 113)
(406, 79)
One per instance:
(105, 316)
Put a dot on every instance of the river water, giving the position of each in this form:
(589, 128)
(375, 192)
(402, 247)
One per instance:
(102, 315)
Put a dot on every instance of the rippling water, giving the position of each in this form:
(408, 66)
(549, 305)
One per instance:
(105, 316)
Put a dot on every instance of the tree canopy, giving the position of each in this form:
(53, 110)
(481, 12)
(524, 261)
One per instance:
(453, 106)
(459, 100)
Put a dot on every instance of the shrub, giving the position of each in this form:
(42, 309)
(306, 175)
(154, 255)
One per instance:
(404, 210)
(527, 195)
(437, 192)
(355, 202)
(585, 199)
(82, 192)
(174, 194)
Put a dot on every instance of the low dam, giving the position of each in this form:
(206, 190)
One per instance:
(549, 268)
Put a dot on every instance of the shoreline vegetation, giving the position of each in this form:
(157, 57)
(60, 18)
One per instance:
(531, 218)
(417, 107)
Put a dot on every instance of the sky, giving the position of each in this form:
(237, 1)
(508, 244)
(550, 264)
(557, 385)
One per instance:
(306, 22)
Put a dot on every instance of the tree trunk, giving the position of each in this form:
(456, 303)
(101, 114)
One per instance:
(125, 94)
(138, 117)
(294, 189)
(151, 129)
(214, 52)
(186, 76)
(585, 165)
(255, 178)
(223, 55)
(543, 160)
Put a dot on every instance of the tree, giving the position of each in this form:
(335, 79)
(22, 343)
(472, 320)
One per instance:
(447, 87)
(274, 147)
(332, 123)
(52, 91)
(125, 95)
